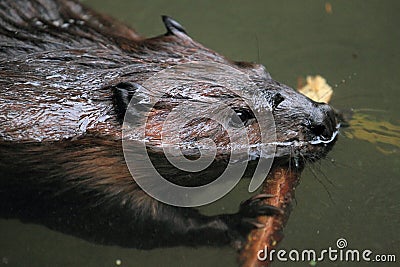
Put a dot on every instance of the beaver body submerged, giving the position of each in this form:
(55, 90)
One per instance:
(66, 76)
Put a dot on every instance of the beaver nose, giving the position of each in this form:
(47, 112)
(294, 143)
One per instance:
(323, 124)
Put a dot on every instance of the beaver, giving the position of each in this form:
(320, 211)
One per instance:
(67, 76)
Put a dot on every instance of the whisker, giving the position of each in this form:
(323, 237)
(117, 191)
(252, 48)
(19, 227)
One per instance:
(292, 155)
(323, 185)
(323, 174)
(258, 48)
(290, 159)
(320, 181)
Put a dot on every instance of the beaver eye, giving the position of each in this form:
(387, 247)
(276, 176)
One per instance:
(276, 100)
(242, 118)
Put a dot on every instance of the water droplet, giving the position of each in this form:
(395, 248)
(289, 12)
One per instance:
(38, 23)
(56, 23)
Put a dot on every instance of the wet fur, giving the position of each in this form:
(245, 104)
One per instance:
(60, 127)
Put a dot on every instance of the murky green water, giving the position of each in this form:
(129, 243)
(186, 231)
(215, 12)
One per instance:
(360, 199)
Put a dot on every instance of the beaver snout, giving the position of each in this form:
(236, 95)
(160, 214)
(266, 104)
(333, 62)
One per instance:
(323, 124)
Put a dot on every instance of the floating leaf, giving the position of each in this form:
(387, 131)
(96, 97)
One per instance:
(317, 89)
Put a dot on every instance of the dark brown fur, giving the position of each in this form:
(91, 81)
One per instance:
(61, 161)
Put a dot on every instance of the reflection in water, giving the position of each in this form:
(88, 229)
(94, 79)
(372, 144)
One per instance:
(382, 133)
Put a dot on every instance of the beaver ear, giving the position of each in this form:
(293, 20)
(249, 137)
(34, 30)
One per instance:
(173, 27)
(122, 95)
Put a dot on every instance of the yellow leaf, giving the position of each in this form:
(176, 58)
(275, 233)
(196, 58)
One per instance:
(317, 89)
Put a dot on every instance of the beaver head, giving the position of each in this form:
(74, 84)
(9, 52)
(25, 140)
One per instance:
(73, 82)
(220, 104)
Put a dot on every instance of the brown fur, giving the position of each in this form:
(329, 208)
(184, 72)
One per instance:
(61, 160)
